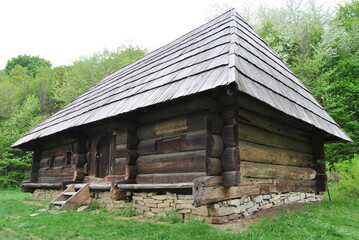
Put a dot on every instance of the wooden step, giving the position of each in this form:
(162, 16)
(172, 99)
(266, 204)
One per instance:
(68, 193)
(58, 202)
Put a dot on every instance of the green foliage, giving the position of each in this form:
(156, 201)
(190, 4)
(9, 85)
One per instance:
(31, 63)
(170, 218)
(338, 219)
(349, 174)
(125, 211)
(88, 71)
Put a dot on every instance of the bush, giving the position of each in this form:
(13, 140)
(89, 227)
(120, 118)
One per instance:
(349, 177)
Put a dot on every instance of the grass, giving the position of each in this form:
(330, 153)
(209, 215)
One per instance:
(338, 219)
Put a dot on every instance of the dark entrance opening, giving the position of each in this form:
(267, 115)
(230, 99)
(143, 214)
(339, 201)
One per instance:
(102, 157)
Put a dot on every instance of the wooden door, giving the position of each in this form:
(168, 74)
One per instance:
(102, 157)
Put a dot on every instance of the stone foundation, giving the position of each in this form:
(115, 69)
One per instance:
(45, 194)
(152, 204)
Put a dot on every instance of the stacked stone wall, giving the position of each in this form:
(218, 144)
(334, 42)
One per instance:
(152, 204)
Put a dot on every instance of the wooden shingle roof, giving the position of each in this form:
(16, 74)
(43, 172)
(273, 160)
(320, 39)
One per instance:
(223, 51)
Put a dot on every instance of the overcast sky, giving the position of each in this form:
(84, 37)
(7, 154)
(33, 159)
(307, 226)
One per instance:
(63, 30)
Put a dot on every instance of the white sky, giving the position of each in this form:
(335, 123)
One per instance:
(63, 30)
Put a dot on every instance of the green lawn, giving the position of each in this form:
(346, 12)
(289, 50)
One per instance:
(338, 219)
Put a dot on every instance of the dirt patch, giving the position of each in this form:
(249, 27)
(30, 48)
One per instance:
(243, 224)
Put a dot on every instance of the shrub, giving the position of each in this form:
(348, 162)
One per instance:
(349, 174)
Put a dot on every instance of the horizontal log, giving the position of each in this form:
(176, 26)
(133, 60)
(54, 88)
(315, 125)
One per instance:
(253, 152)
(287, 185)
(172, 162)
(231, 178)
(230, 159)
(168, 178)
(258, 120)
(171, 125)
(207, 181)
(193, 104)
(57, 179)
(230, 135)
(156, 186)
(130, 155)
(261, 170)
(214, 124)
(252, 104)
(214, 167)
(120, 166)
(261, 136)
(206, 195)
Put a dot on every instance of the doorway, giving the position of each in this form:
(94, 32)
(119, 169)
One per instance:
(102, 157)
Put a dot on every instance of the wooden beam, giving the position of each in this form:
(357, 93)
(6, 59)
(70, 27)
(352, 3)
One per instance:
(261, 170)
(261, 136)
(168, 177)
(253, 152)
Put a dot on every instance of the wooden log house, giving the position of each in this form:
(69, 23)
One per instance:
(214, 113)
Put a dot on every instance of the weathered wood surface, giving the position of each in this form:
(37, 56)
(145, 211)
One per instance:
(130, 155)
(229, 114)
(230, 135)
(78, 174)
(231, 159)
(321, 183)
(78, 160)
(208, 195)
(195, 104)
(261, 170)
(130, 172)
(265, 154)
(169, 126)
(214, 167)
(231, 178)
(119, 166)
(261, 136)
(258, 120)
(215, 146)
(249, 103)
(156, 186)
(168, 178)
(287, 185)
(194, 161)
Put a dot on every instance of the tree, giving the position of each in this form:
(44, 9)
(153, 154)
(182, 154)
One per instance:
(31, 63)
(88, 71)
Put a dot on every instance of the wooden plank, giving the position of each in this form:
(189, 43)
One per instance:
(258, 120)
(261, 170)
(172, 125)
(261, 136)
(230, 159)
(156, 186)
(252, 104)
(206, 195)
(168, 178)
(287, 185)
(253, 152)
(172, 162)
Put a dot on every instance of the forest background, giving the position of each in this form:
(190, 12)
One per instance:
(319, 45)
